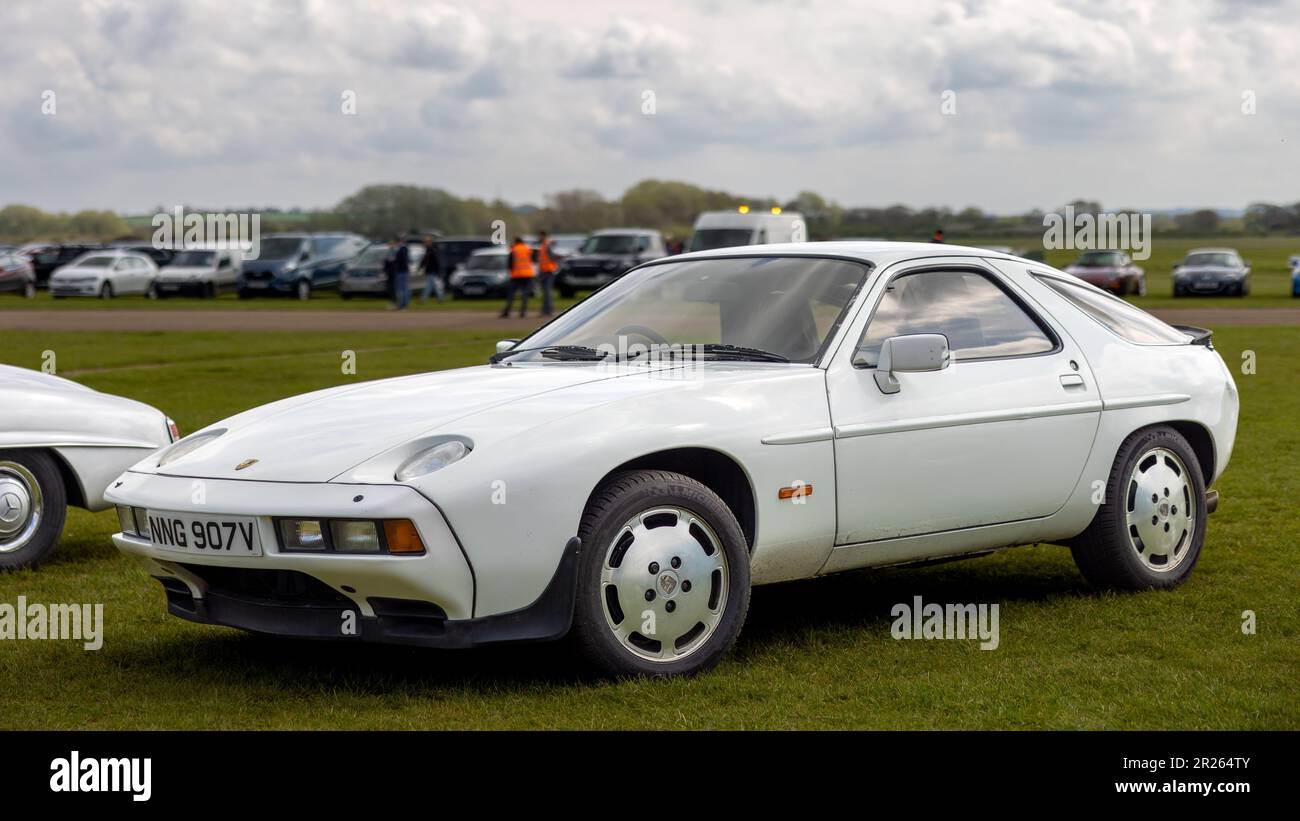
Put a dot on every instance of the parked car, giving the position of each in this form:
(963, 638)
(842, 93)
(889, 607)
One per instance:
(484, 274)
(606, 256)
(1112, 270)
(1212, 271)
(659, 445)
(17, 275)
(46, 257)
(162, 257)
(199, 271)
(365, 275)
(728, 229)
(454, 251)
(61, 443)
(566, 245)
(105, 274)
(298, 264)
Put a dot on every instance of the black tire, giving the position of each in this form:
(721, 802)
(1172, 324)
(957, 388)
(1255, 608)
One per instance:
(1178, 290)
(106, 291)
(23, 548)
(29, 289)
(303, 289)
(623, 496)
(210, 290)
(1110, 553)
(1123, 289)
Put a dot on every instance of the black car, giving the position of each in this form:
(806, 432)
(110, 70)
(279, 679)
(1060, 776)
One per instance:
(46, 257)
(606, 256)
(162, 257)
(1212, 271)
(453, 252)
(298, 264)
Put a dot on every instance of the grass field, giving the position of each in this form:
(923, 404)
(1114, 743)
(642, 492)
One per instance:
(814, 654)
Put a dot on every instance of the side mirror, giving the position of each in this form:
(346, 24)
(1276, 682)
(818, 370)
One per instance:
(914, 353)
(506, 344)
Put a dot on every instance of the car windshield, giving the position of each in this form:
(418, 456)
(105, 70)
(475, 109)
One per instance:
(279, 247)
(372, 256)
(486, 262)
(328, 247)
(1214, 259)
(788, 306)
(196, 259)
(709, 238)
(610, 244)
(96, 262)
(567, 245)
(1101, 259)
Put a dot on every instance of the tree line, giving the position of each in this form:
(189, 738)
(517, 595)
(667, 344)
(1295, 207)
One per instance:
(670, 206)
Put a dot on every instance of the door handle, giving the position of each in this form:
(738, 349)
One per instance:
(1071, 380)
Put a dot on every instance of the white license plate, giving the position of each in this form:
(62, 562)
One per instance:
(474, 290)
(205, 535)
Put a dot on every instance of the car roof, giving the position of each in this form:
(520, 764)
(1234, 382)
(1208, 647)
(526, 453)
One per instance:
(1212, 251)
(604, 231)
(876, 253)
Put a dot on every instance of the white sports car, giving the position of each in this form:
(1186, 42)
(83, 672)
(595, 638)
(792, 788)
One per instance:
(708, 422)
(61, 443)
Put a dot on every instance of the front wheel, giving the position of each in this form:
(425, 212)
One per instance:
(29, 289)
(33, 506)
(304, 289)
(664, 582)
(106, 291)
(1149, 530)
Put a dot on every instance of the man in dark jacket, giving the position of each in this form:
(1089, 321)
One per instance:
(398, 268)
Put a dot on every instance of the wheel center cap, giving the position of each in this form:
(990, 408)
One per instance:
(13, 506)
(668, 584)
(1163, 510)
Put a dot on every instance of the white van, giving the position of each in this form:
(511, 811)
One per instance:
(204, 271)
(726, 229)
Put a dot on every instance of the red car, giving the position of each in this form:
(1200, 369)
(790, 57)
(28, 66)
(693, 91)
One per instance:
(17, 275)
(1112, 270)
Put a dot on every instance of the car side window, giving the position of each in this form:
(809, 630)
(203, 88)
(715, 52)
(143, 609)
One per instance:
(979, 318)
(1121, 318)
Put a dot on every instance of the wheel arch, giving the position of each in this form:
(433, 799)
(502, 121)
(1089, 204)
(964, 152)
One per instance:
(1202, 443)
(74, 494)
(714, 469)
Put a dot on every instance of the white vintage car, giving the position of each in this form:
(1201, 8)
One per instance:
(709, 422)
(61, 443)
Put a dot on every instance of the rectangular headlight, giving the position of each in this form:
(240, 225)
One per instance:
(126, 520)
(354, 536)
(302, 534)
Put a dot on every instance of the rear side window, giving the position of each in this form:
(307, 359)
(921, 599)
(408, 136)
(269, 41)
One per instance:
(1121, 318)
(981, 320)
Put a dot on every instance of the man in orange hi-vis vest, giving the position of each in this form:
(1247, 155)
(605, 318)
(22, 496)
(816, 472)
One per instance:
(519, 262)
(546, 268)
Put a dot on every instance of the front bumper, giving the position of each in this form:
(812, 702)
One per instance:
(366, 285)
(425, 600)
(73, 289)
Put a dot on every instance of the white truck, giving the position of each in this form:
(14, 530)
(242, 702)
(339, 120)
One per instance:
(726, 229)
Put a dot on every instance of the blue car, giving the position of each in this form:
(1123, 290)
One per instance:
(1295, 275)
(298, 264)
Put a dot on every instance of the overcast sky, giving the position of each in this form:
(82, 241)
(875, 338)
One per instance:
(239, 102)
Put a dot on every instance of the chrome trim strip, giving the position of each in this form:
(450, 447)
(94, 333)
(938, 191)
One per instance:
(1145, 401)
(957, 420)
(800, 437)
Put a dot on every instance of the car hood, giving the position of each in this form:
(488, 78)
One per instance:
(40, 409)
(318, 436)
(1207, 270)
(184, 271)
(1095, 270)
(73, 271)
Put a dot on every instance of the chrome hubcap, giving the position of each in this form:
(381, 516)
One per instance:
(663, 584)
(21, 505)
(1160, 510)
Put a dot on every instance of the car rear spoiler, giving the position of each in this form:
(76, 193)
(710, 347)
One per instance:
(1200, 336)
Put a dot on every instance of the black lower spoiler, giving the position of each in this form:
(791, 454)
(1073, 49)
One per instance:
(1200, 336)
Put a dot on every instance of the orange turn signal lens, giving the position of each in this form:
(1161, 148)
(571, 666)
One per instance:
(794, 492)
(402, 537)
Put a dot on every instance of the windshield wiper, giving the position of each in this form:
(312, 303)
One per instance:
(567, 353)
(739, 352)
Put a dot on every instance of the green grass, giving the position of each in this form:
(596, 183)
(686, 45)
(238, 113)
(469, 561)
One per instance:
(814, 654)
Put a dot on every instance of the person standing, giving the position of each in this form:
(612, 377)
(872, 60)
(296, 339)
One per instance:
(431, 265)
(546, 267)
(519, 263)
(400, 273)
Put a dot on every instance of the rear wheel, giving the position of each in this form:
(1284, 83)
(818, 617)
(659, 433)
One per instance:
(664, 581)
(1149, 532)
(106, 291)
(33, 506)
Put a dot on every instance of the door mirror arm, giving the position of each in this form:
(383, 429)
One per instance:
(913, 353)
